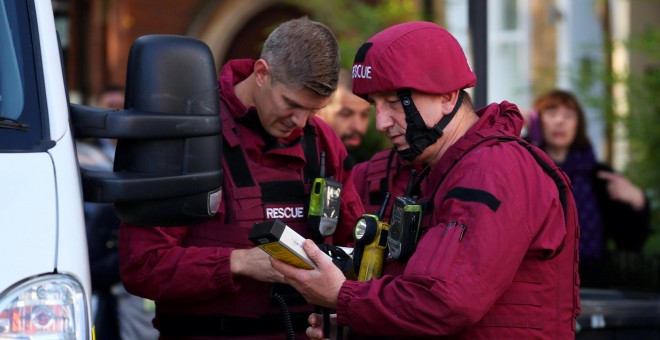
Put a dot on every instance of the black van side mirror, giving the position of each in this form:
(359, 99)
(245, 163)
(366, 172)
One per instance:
(168, 161)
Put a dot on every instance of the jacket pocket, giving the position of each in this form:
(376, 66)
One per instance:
(440, 247)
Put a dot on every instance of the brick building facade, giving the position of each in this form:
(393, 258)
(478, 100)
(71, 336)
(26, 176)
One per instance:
(100, 33)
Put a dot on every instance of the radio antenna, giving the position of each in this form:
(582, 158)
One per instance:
(411, 182)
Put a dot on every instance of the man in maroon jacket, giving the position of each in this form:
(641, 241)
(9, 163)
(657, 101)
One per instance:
(497, 255)
(209, 280)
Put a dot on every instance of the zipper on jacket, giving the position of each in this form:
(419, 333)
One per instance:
(449, 226)
(464, 228)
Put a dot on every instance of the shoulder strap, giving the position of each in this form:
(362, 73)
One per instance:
(384, 182)
(561, 185)
(238, 166)
(311, 152)
(235, 156)
(239, 169)
(562, 188)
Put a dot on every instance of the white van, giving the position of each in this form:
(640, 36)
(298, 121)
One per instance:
(44, 270)
(44, 280)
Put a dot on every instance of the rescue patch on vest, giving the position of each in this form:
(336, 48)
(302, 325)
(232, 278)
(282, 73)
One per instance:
(474, 195)
(285, 212)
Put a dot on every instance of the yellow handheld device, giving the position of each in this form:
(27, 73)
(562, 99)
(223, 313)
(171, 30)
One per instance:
(370, 242)
(281, 242)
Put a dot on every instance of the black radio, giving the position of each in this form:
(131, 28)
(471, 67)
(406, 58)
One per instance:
(404, 224)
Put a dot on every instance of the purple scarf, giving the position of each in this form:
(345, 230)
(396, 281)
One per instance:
(578, 166)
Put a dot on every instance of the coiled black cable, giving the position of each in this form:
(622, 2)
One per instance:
(286, 317)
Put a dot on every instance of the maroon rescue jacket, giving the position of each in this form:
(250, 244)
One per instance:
(498, 254)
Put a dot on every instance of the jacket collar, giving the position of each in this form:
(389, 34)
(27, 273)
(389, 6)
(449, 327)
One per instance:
(502, 119)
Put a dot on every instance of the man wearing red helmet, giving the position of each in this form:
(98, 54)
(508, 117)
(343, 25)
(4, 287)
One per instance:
(497, 255)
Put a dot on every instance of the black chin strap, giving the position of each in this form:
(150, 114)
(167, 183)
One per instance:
(418, 136)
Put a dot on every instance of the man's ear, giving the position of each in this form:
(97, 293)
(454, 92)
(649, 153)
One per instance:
(261, 72)
(448, 101)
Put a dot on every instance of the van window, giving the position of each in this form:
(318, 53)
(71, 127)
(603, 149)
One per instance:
(20, 112)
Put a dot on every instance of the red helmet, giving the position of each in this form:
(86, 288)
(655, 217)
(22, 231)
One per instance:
(417, 55)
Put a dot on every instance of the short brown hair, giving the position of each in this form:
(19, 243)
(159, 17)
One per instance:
(305, 53)
(555, 98)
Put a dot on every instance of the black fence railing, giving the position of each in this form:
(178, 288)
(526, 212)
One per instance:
(634, 271)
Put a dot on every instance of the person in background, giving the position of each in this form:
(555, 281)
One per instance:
(610, 207)
(347, 114)
(102, 227)
(497, 255)
(209, 280)
(117, 314)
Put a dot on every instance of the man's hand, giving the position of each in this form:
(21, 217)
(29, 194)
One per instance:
(315, 329)
(319, 286)
(254, 263)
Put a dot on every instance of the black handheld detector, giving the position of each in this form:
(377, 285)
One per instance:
(370, 242)
(323, 213)
(404, 224)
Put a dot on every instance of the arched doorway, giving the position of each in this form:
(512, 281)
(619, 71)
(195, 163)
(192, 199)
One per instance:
(237, 29)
